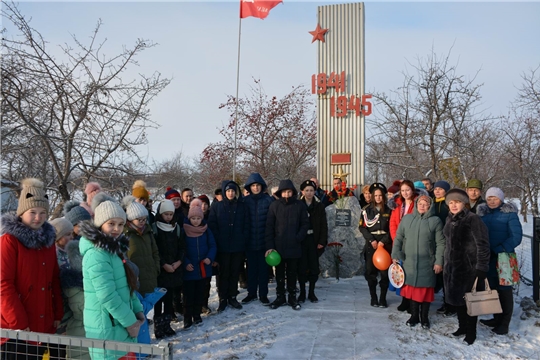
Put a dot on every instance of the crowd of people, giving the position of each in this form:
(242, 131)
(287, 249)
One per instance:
(97, 271)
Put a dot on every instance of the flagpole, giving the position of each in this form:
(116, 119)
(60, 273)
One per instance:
(237, 87)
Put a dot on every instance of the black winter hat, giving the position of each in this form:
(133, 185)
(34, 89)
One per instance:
(308, 183)
(378, 186)
(286, 185)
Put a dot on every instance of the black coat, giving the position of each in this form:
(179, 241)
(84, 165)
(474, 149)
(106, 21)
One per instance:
(258, 210)
(317, 222)
(287, 224)
(383, 224)
(171, 248)
(467, 250)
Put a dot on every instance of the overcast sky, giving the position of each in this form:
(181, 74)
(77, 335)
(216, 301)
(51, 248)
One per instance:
(198, 44)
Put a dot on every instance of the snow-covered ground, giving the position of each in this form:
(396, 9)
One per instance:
(343, 325)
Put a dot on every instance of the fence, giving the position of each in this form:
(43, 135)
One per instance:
(23, 344)
(528, 254)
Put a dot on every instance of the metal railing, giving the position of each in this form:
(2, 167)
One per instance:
(60, 346)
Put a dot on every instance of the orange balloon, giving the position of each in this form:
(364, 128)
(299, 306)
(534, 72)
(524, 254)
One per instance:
(381, 258)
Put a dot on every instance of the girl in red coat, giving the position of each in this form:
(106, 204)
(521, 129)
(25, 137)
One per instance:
(30, 297)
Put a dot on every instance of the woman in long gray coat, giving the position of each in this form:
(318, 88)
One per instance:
(419, 243)
(466, 258)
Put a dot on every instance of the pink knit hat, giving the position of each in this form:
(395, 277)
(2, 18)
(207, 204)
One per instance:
(92, 188)
(195, 209)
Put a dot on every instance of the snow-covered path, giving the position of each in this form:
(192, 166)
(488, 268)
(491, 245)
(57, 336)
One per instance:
(343, 326)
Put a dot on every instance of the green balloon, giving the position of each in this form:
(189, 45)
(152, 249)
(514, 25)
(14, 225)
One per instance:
(273, 259)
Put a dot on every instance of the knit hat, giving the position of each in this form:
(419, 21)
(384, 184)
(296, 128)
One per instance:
(171, 194)
(139, 190)
(495, 191)
(33, 195)
(443, 185)
(75, 213)
(231, 186)
(424, 198)
(395, 187)
(62, 226)
(134, 210)
(456, 194)
(205, 199)
(92, 188)
(195, 209)
(308, 183)
(106, 208)
(166, 205)
(377, 186)
(419, 185)
(475, 183)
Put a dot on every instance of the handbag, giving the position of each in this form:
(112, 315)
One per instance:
(482, 302)
(507, 269)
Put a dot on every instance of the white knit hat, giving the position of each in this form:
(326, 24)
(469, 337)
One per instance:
(495, 191)
(134, 210)
(166, 205)
(106, 208)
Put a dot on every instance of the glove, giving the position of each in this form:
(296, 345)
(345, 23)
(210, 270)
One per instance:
(133, 330)
(140, 316)
(481, 275)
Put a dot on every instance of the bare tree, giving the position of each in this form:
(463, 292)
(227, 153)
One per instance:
(77, 114)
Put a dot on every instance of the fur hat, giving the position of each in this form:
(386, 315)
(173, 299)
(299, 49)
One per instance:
(33, 195)
(475, 183)
(62, 226)
(92, 188)
(195, 209)
(106, 208)
(456, 194)
(134, 210)
(495, 191)
(443, 185)
(165, 205)
(75, 213)
(171, 194)
(378, 186)
(308, 183)
(139, 190)
(395, 187)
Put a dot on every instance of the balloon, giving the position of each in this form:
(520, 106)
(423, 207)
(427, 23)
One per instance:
(273, 259)
(381, 258)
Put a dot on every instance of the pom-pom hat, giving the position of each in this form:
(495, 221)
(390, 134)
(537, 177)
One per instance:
(75, 213)
(33, 195)
(195, 209)
(134, 210)
(139, 190)
(106, 208)
(395, 187)
(171, 194)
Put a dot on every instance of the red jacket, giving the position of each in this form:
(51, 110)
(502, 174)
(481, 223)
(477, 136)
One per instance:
(30, 294)
(396, 216)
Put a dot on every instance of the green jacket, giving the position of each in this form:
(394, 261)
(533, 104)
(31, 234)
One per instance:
(420, 244)
(109, 308)
(143, 251)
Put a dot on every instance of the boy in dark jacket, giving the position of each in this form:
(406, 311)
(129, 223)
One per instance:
(286, 227)
(229, 222)
(258, 202)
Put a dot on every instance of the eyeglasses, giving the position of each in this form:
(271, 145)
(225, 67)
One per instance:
(142, 219)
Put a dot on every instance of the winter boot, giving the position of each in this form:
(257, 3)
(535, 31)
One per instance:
(311, 295)
(293, 303)
(492, 322)
(424, 315)
(382, 298)
(166, 326)
(234, 303)
(302, 296)
(470, 332)
(222, 305)
(506, 297)
(373, 293)
(279, 301)
(405, 304)
(158, 327)
(415, 309)
(462, 321)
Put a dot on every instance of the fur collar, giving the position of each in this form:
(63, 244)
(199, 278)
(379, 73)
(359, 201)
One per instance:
(32, 239)
(395, 201)
(117, 246)
(506, 208)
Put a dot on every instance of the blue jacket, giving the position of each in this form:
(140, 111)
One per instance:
(258, 210)
(229, 222)
(148, 303)
(198, 249)
(505, 232)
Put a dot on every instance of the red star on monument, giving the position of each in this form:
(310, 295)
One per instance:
(318, 33)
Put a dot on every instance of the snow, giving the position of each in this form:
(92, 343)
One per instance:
(343, 325)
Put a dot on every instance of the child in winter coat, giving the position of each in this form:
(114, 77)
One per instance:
(171, 248)
(28, 262)
(143, 250)
(64, 234)
(111, 309)
(75, 213)
(201, 251)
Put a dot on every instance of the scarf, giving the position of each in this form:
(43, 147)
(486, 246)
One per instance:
(165, 227)
(194, 231)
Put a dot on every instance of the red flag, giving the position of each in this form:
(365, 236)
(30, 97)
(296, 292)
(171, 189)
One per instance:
(257, 8)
